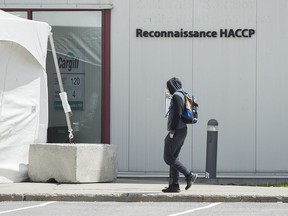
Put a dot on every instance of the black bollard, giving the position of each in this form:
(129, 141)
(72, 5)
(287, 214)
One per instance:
(211, 150)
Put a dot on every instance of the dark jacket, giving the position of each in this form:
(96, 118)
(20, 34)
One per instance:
(174, 118)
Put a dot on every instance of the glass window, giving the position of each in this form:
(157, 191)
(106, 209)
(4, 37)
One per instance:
(77, 38)
(22, 14)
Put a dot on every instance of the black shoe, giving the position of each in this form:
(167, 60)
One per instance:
(190, 179)
(174, 188)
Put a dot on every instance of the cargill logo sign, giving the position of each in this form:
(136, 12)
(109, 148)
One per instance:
(68, 62)
(222, 33)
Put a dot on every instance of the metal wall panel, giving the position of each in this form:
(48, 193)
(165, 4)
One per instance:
(120, 87)
(272, 88)
(152, 62)
(224, 80)
(237, 81)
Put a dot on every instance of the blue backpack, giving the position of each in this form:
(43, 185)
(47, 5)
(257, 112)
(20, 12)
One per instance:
(190, 112)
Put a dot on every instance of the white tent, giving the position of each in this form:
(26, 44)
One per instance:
(23, 92)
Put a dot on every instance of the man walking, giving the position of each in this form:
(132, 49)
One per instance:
(175, 139)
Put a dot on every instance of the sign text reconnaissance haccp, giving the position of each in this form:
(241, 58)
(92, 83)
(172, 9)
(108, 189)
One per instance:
(222, 33)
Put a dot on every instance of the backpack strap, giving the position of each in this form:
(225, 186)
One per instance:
(170, 107)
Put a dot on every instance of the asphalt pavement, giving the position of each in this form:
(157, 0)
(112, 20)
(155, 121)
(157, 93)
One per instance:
(139, 190)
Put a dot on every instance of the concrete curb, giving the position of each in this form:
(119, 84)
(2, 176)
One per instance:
(141, 197)
(139, 190)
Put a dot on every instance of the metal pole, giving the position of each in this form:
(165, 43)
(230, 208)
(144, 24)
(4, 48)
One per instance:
(211, 150)
(62, 94)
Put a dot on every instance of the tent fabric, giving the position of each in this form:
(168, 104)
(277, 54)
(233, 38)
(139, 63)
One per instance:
(32, 35)
(23, 93)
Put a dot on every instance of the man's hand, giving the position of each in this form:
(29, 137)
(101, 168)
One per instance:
(171, 135)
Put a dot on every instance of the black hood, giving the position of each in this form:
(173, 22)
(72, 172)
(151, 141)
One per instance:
(173, 85)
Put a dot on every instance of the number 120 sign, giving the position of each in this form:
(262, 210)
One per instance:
(74, 87)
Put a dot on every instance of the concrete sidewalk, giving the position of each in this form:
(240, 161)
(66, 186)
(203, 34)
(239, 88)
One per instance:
(139, 190)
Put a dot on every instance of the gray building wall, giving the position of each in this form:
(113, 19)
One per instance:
(241, 82)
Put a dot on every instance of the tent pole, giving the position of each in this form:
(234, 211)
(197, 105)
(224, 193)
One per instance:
(62, 94)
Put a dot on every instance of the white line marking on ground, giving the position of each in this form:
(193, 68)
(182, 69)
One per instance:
(28, 207)
(196, 209)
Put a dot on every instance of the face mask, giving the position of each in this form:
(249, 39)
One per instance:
(167, 93)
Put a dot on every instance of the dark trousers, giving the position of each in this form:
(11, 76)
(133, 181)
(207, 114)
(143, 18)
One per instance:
(171, 155)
